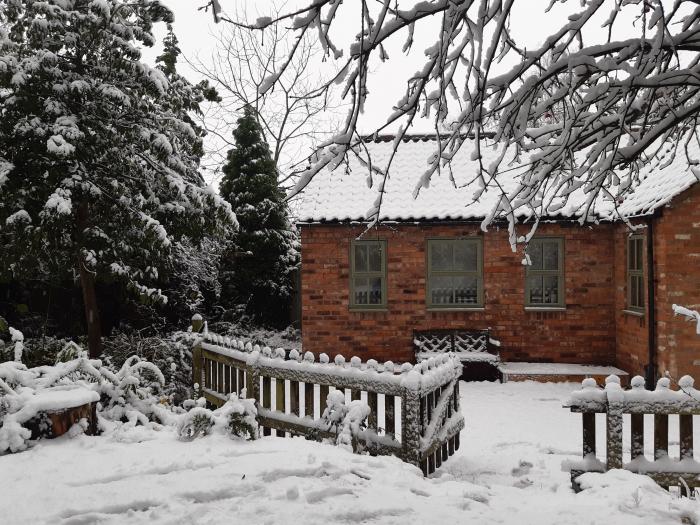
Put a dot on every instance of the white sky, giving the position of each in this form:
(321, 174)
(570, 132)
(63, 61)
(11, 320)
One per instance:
(529, 24)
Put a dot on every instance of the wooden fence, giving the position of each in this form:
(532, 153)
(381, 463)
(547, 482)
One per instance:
(651, 457)
(414, 410)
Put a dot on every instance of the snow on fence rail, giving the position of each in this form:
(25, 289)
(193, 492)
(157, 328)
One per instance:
(414, 410)
(615, 402)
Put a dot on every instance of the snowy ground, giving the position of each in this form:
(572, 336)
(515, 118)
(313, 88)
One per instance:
(508, 470)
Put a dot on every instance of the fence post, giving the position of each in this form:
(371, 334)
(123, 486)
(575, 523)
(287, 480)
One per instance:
(615, 398)
(197, 325)
(411, 422)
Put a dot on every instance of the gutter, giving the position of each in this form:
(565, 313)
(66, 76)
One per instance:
(651, 368)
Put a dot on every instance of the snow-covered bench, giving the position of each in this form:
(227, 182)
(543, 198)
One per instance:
(466, 345)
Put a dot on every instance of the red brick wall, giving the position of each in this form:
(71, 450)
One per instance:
(583, 333)
(677, 280)
(632, 334)
(677, 245)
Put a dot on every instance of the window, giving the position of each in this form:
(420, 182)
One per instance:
(368, 274)
(635, 273)
(455, 278)
(544, 279)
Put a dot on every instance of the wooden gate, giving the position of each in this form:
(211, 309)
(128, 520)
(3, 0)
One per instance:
(414, 410)
(662, 403)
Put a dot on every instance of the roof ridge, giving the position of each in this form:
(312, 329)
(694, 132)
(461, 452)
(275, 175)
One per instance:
(419, 137)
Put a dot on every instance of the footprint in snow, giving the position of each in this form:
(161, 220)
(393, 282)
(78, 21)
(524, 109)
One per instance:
(523, 483)
(319, 495)
(522, 469)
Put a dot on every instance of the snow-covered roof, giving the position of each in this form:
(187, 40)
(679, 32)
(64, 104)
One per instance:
(344, 194)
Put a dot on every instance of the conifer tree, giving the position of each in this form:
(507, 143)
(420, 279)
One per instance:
(98, 158)
(257, 266)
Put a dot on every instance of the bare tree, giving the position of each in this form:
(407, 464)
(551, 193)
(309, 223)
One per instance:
(292, 123)
(619, 103)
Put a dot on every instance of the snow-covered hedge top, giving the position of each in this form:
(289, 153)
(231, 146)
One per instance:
(387, 377)
(637, 399)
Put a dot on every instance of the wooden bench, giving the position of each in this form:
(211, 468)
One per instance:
(467, 345)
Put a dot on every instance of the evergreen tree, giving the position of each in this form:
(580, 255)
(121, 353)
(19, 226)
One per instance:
(257, 266)
(98, 158)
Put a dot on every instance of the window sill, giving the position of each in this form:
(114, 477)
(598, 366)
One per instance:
(545, 308)
(360, 309)
(456, 309)
(633, 313)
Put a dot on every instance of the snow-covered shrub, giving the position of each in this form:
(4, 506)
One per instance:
(237, 418)
(69, 352)
(244, 329)
(346, 420)
(36, 351)
(26, 395)
(240, 415)
(131, 395)
(128, 396)
(18, 340)
(198, 422)
(172, 354)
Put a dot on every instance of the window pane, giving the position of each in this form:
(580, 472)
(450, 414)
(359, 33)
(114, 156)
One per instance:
(535, 252)
(375, 290)
(441, 290)
(465, 254)
(550, 255)
(551, 289)
(639, 249)
(360, 257)
(637, 291)
(636, 254)
(465, 290)
(535, 289)
(361, 290)
(441, 256)
(375, 257)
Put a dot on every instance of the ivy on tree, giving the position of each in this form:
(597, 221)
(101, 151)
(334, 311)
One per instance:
(98, 157)
(257, 267)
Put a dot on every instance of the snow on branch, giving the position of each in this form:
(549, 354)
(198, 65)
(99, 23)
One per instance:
(583, 111)
(691, 315)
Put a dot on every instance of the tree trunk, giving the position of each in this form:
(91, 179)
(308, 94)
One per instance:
(92, 314)
(87, 285)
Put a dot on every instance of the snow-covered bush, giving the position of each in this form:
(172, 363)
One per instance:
(241, 417)
(346, 420)
(243, 328)
(129, 396)
(36, 351)
(18, 340)
(198, 422)
(69, 352)
(237, 418)
(172, 354)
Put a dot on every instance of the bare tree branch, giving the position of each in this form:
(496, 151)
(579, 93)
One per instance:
(293, 124)
(582, 113)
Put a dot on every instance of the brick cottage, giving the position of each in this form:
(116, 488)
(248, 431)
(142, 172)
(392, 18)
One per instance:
(593, 294)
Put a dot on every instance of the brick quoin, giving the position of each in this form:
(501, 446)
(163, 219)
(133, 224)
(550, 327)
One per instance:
(595, 327)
